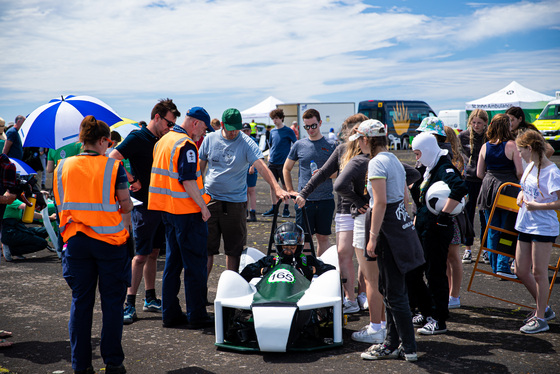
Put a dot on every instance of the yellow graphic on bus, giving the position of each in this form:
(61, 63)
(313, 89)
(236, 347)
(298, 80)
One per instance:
(401, 121)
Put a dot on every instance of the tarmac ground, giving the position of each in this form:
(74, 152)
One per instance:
(483, 334)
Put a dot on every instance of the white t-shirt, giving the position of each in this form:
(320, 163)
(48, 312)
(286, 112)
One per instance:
(539, 222)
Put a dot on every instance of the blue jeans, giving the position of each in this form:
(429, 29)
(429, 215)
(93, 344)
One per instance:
(85, 263)
(186, 237)
(499, 263)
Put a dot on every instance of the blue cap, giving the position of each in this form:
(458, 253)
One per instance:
(201, 114)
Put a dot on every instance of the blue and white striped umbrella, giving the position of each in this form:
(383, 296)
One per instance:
(21, 167)
(57, 123)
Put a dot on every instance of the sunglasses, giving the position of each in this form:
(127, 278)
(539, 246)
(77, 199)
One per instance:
(169, 123)
(313, 126)
(109, 143)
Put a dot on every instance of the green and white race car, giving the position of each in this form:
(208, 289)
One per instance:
(281, 311)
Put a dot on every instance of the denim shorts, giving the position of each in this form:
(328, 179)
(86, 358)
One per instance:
(252, 179)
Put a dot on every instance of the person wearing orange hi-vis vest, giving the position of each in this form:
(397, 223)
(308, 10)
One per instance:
(91, 193)
(177, 189)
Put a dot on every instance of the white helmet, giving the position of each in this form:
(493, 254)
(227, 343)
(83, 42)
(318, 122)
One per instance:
(436, 197)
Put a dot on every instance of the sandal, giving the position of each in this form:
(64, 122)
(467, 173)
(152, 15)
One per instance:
(5, 334)
(5, 344)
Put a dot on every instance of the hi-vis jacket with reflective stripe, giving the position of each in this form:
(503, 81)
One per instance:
(166, 193)
(84, 190)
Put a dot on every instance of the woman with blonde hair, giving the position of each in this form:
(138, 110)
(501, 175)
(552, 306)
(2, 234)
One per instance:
(537, 224)
(351, 187)
(343, 218)
(454, 264)
(471, 141)
(2, 129)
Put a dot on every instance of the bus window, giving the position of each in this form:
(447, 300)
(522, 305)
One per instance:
(373, 114)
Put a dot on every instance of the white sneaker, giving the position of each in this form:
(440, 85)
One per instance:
(362, 301)
(507, 275)
(350, 307)
(369, 335)
(454, 302)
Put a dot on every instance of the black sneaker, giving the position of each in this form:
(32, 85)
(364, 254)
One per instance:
(89, 370)
(432, 327)
(269, 213)
(467, 257)
(485, 257)
(418, 320)
(177, 321)
(202, 323)
(380, 352)
(112, 369)
(286, 212)
(252, 216)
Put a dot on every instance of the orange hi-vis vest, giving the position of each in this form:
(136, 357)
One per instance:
(166, 193)
(84, 190)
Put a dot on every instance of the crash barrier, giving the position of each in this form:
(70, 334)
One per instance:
(506, 199)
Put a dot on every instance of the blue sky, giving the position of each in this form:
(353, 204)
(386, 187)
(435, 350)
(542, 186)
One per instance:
(225, 53)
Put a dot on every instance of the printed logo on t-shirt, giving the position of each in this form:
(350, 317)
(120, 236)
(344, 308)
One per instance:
(191, 156)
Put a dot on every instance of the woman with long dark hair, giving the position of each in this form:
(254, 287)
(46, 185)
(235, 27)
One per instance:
(498, 162)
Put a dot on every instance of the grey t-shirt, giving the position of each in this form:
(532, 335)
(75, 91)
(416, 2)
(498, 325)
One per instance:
(305, 151)
(386, 165)
(228, 161)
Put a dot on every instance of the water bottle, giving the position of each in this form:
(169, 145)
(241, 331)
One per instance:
(313, 167)
(29, 210)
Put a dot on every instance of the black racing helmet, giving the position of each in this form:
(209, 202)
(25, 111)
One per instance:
(289, 233)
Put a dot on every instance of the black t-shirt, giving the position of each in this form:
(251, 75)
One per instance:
(138, 148)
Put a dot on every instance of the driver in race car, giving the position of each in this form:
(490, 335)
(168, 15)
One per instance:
(289, 241)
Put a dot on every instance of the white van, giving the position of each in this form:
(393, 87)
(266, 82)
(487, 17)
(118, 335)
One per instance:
(455, 118)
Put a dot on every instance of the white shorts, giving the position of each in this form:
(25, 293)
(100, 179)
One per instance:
(343, 222)
(359, 238)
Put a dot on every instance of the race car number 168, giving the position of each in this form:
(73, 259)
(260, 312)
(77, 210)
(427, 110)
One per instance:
(281, 275)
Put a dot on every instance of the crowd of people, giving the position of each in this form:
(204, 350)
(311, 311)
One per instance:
(193, 186)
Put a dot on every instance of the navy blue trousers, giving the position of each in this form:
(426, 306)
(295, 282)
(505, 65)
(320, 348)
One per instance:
(186, 237)
(87, 262)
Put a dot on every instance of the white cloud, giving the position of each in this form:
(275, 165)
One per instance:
(293, 49)
(510, 18)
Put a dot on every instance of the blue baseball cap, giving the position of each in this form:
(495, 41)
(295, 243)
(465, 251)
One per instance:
(201, 114)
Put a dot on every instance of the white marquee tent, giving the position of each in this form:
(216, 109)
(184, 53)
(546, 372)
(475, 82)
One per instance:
(260, 112)
(513, 94)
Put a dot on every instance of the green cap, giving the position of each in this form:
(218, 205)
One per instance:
(232, 119)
